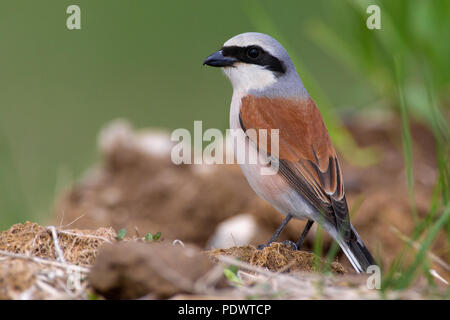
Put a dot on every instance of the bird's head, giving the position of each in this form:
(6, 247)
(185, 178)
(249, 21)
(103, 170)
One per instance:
(257, 63)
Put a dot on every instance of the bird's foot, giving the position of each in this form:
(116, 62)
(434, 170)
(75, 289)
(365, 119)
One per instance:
(290, 244)
(262, 246)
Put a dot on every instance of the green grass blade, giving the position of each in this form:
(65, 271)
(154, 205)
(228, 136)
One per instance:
(407, 278)
(406, 138)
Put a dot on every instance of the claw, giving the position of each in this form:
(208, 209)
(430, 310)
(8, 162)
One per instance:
(290, 244)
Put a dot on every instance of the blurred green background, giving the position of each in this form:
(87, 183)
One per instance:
(142, 60)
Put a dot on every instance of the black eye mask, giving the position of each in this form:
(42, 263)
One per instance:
(255, 55)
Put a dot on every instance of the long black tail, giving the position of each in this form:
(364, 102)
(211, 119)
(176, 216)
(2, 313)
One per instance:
(357, 252)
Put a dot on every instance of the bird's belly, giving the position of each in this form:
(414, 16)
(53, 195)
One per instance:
(275, 190)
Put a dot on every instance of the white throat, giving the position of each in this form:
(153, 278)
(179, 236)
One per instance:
(249, 77)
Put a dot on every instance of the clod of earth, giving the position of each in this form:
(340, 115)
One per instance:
(131, 270)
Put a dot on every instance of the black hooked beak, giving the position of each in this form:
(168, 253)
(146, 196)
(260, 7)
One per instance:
(217, 59)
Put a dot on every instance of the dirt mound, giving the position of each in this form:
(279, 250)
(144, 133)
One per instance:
(277, 257)
(136, 184)
(132, 270)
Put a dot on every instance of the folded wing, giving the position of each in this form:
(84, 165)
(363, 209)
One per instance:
(307, 159)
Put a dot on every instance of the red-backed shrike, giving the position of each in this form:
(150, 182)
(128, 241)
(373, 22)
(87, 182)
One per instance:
(268, 94)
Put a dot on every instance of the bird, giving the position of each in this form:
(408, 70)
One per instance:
(308, 185)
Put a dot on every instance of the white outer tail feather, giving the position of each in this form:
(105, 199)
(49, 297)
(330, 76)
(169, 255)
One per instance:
(354, 262)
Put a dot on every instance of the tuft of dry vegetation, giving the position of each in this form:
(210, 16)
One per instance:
(78, 247)
(47, 262)
(277, 258)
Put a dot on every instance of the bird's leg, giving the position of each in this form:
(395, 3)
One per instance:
(302, 237)
(277, 232)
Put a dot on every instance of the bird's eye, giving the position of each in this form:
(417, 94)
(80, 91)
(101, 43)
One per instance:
(253, 52)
